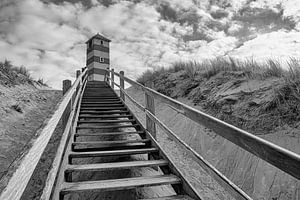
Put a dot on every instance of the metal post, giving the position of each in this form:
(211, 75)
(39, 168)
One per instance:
(66, 86)
(122, 85)
(150, 106)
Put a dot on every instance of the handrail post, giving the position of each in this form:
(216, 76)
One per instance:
(122, 85)
(150, 106)
(66, 86)
(78, 72)
(106, 77)
(112, 78)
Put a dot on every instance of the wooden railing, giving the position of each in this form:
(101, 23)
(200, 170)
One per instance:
(65, 110)
(279, 157)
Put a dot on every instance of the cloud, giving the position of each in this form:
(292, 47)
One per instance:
(48, 36)
(281, 44)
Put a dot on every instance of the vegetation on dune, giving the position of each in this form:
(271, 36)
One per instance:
(252, 95)
(12, 75)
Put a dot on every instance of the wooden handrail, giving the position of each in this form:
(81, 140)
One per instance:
(235, 191)
(52, 174)
(281, 158)
(22, 175)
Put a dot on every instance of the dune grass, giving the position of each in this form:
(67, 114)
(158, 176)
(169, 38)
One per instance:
(11, 75)
(284, 104)
(209, 68)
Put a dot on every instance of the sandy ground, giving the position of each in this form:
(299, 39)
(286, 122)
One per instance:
(23, 109)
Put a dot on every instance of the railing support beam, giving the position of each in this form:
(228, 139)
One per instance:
(150, 106)
(112, 76)
(66, 86)
(122, 85)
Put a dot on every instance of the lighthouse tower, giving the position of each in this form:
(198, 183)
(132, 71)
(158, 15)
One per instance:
(97, 60)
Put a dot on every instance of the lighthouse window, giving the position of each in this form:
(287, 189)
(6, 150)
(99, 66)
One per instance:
(101, 60)
(90, 44)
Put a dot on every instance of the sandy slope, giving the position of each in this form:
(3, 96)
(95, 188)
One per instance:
(254, 176)
(23, 109)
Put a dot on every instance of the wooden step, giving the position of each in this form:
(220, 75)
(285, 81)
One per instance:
(108, 143)
(107, 127)
(103, 102)
(83, 105)
(119, 184)
(104, 121)
(101, 97)
(104, 108)
(175, 197)
(112, 153)
(108, 133)
(104, 116)
(103, 112)
(110, 147)
(85, 96)
(99, 100)
(116, 165)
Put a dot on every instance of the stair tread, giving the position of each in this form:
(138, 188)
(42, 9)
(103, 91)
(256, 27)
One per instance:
(104, 127)
(103, 116)
(101, 102)
(111, 142)
(106, 121)
(103, 108)
(108, 133)
(112, 152)
(175, 197)
(119, 184)
(104, 112)
(100, 106)
(117, 165)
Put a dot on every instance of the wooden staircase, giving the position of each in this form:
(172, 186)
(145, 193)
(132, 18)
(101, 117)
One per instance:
(102, 138)
(103, 114)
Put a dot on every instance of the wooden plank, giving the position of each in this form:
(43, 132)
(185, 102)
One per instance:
(104, 121)
(100, 98)
(104, 116)
(106, 127)
(116, 165)
(119, 184)
(281, 158)
(99, 143)
(22, 175)
(122, 85)
(176, 197)
(228, 185)
(107, 108)
(103, 103)
(66, 86)
(108, 133)
(103, 112)
(150, 106)
(112, 73)
(112, 153)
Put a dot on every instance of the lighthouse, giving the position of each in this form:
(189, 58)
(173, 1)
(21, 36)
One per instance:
(97, 59)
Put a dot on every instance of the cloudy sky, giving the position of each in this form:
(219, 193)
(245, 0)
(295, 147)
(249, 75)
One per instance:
(48, 36)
